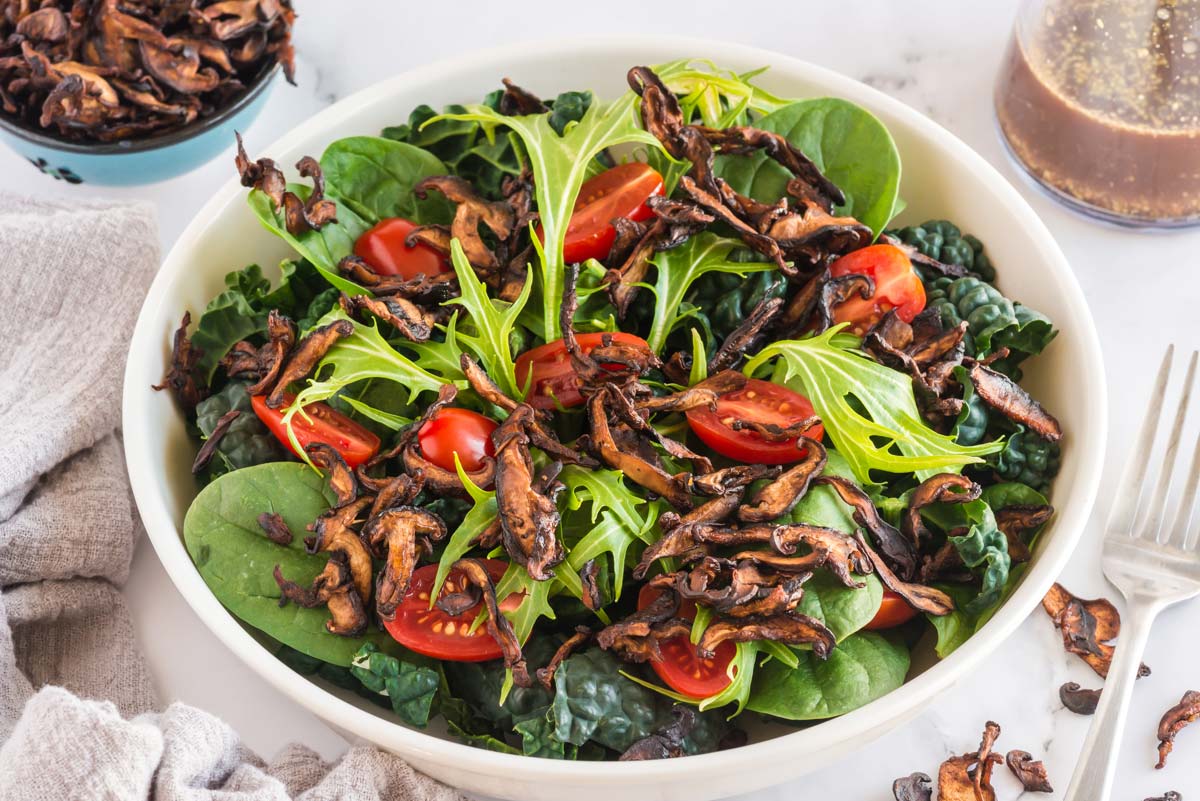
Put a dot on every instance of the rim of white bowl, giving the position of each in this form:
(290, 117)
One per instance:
(855, 726)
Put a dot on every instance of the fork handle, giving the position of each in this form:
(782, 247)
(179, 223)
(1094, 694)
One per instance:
(1098, 759)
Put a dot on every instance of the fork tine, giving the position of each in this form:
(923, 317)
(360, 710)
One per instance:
(1125, 507)
(1187, 502)
(1153, 528)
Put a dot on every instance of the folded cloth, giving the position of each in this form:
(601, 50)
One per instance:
(78, 715)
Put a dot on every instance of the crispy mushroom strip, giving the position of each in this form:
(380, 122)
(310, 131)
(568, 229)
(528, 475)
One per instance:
(748, 336)
(843, 555)
(621, 406)
(1077, 699)
(924, 599)
(744, 140)
(395, 532)
(969, 777)
(1088, 627)
(736, 477)
(685, 400)
(518, 102)
(1173, 721)
(299, 215)
(474, 572)
(675, 221)
(182, 377)
(781, 496)
(1007, 397)
(275, 529)
(800, 309)
(332, 533)
(760, 243)
(913, 787)
(942, 488)
(529, 518)
(406, 317)
(305, 356)
(667, 742)
(334, 588)
(636, 638)
(839, 290)
(209, 448)
(898, 551)
(423, 290)
(635, 468)
(773, 432)
(545, 676)
(472, 210)
(610, 362)
(589, 581)
(339, 475)
(282, 337)
(1016, 520)
(791, 628)
(1031, 773)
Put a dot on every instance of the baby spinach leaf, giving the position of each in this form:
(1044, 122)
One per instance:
(375, 177)
(868, 409)
(410, 688)
(844, 610)
(849, 145)
(860, 669)
(237, 561)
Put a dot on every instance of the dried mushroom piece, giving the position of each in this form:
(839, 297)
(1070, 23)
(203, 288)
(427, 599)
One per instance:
(942, 488)
(182, 377)
(472, 210)
(395, 534)
(922, 598)
(1029, 771)
(1173, 721)
(529, 518)
(747, 337)
(899, 552)
(781, 496)
(1088, 627)
(300, 215)
(636, 638)
(305, 356)
(1169, 795)
(1077, 699)
(423, 290)
(667, 742)
(790, 628)
(969, 777)
(914, 787)
(497, 624)
(269, 359)
(545, 676)
(333, 588)
(409, 319)
(1016, 521)
(209, 448)
(332, 533)
(274, 528)
(1007, 397)
(338, 474)
(635, 466)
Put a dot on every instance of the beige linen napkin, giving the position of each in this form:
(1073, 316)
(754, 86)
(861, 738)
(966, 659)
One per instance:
(77, 706)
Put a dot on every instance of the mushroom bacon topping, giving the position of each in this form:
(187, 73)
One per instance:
(1088, 627)
(545, 676)
(305, 356)
(667, 742)
(675, 222)
(800, 308)
(969, 777)
(391, 491)
(1014, 521)
(896, 549)
(748, 336)
(791, 628)
(1007, 397)
(922, 598)
(209, 448)
(276, 530)
(773, 432)
(781, 496)
(395, 533)
(843, 554)
(334, 588)
(404, 315)
(634, 466)
(332, 534)
(1173, 721)
(1077, 699)
(942, 488)
(182, 378)
(1169, 795)
(281, 334)
(473, 572)
(636, 637)
(338, 474)
(744, 140)
(720, 482)
(529, 518)
(623, 409)
(1029, 771)
(472, 211)
(914, 787)
(300, 215)
(422, 290)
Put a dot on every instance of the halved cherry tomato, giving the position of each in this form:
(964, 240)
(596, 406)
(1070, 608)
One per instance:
(619, 192)
(892, 612)
(355, 443)
(897, 286)
(682, 668)
(554, 378)
(461, 431)
(760, 402)
(434, 633)
(383, 248)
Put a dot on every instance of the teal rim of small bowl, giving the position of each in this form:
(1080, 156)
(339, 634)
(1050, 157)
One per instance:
(166, 139)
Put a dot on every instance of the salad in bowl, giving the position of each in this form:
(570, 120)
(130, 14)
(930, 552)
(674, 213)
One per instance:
(594, 428)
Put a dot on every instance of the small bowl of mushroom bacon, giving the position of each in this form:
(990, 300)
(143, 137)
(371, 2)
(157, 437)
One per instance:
(124, 93)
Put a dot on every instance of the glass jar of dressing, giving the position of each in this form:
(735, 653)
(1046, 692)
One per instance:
(1099, 101)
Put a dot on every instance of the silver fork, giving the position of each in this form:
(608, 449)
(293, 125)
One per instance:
(1153, 564)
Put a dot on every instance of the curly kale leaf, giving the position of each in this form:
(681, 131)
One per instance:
(1028, 459)
(478, 684)
(469, 150)
(993, 320)
(725, 300)
(247, 441)
(942, 240)
(410, 688)
(240, 312)
(970, 427)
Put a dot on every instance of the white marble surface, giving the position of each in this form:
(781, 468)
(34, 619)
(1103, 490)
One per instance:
(939, 57)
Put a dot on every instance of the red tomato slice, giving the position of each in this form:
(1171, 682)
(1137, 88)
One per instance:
(554, 378)
(461, 431)
(619, 192)
(897, 286)
(683, 668)
(761, 402)
(383, 248)
(892, 612)
(434, 633)
(355, 443)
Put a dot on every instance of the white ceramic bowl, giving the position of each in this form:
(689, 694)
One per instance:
(942, 178)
